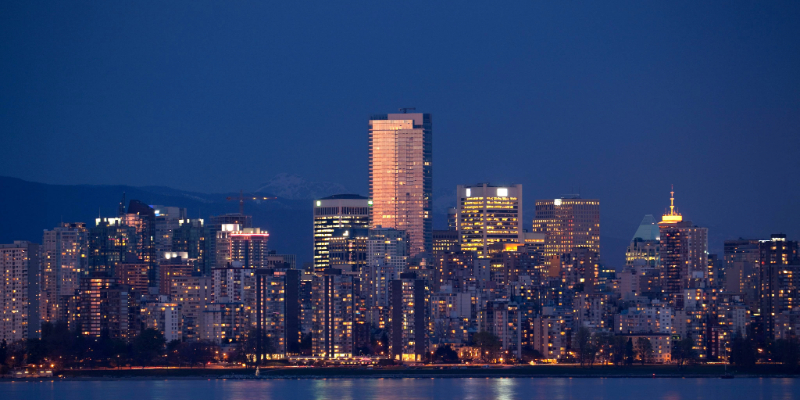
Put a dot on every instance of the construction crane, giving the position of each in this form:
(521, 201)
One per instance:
(242, 198)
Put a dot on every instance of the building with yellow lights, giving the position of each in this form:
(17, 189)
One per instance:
(277, 312)
(334, 216)
(193, 294)
(779, 277)
(645, 244)
(64, 258)
(19, 306)
(337, 317)
(409, 305)
(163, 316)
(569, 223)
(683, 253)
(488, 215)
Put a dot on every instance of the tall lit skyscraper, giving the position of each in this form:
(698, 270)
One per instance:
(683, 252)
(336, 215)
(569, 223)
(401, 176)
(64, 258)
(19, 306)
(142, 218)
(779, 277)
(488, 215)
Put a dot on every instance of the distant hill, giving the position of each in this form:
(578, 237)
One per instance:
(27, 208)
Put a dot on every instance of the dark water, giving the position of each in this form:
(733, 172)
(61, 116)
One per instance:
(439, 389)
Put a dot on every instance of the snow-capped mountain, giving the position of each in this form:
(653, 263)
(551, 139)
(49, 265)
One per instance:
(293, 187)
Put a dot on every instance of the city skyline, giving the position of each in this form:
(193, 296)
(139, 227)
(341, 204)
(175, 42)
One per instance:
(618, 92)
(268, 190)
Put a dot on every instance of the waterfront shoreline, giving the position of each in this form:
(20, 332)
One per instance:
(545, 372)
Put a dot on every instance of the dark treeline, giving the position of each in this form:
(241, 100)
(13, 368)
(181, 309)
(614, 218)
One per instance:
(60, 348)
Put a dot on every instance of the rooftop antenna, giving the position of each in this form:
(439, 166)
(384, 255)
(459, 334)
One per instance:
(405, 110)
(672, 199)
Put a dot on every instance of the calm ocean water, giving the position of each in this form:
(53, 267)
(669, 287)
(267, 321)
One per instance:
(439, 389)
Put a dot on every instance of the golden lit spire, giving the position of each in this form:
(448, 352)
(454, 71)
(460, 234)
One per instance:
(672, 200)
(672, 217)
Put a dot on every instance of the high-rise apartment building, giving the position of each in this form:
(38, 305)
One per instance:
(401, 175)
(741, 261)
(779, 278)
(103, 308)
(64, 258)
(19, 292)
(173, 267)
(277, 313)
(214, 225)
(488, 215)
(110, 241)
(163, 316)
(387, 257)
(568, 223)
(683, 253)
(341, 211)
(193, 294)
(133, 274)
(408, 318)
(247, 246)
(190, 237)
(337, 316)
(142, 218)
(347, 249)
(167, 219)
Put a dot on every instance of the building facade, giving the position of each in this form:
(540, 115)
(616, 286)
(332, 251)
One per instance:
(65, 252)
(19, 295)
(568, 223)
(336, 315)
(408, 318)
(683, 253)
(339, 213)
(401, 175)
(488, 215)
(277, 313)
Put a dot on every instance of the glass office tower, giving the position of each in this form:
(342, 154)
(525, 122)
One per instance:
(401, 175)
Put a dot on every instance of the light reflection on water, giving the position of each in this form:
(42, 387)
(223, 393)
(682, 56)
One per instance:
(408, 388)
